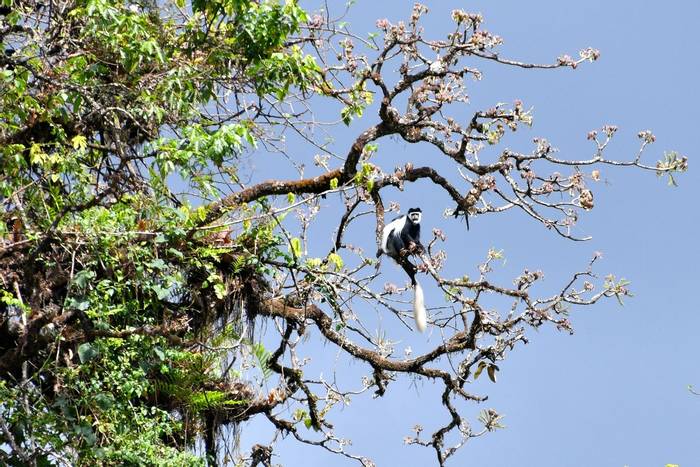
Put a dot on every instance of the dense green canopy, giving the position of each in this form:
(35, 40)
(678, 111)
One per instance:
(103, 104)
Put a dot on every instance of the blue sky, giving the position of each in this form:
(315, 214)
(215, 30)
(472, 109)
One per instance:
(615, 393)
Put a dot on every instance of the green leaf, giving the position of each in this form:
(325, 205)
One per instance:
(83, 278)
(105, 401)
(492, 372)
(175, 252)
(79, 142)
(161, 292)
(219, 290)
(479, 369)
(295, 244)
(78, 304)
(36, 154)
(86, 352)
(212, 399)
(262, 356)
(336, 260)
(334, 183)
(346, 115)
(157, 264)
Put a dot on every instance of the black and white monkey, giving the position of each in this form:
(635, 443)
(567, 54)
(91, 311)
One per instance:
(399, 238)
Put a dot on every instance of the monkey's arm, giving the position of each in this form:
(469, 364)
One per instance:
(412, 243)
(395, 245)
(419, 246)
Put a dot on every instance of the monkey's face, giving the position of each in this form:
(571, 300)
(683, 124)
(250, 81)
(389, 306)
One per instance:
(414, 217)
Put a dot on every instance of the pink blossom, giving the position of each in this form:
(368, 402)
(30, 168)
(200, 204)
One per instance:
(383, 23)
(439, 234)
(390, 288)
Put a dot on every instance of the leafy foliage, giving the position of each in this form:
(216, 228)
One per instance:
(103, 105)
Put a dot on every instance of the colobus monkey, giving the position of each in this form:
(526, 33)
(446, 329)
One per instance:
(398, 238)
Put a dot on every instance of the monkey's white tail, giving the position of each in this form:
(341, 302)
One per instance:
(419, 308)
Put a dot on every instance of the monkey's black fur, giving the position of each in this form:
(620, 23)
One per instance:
(400, 237)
